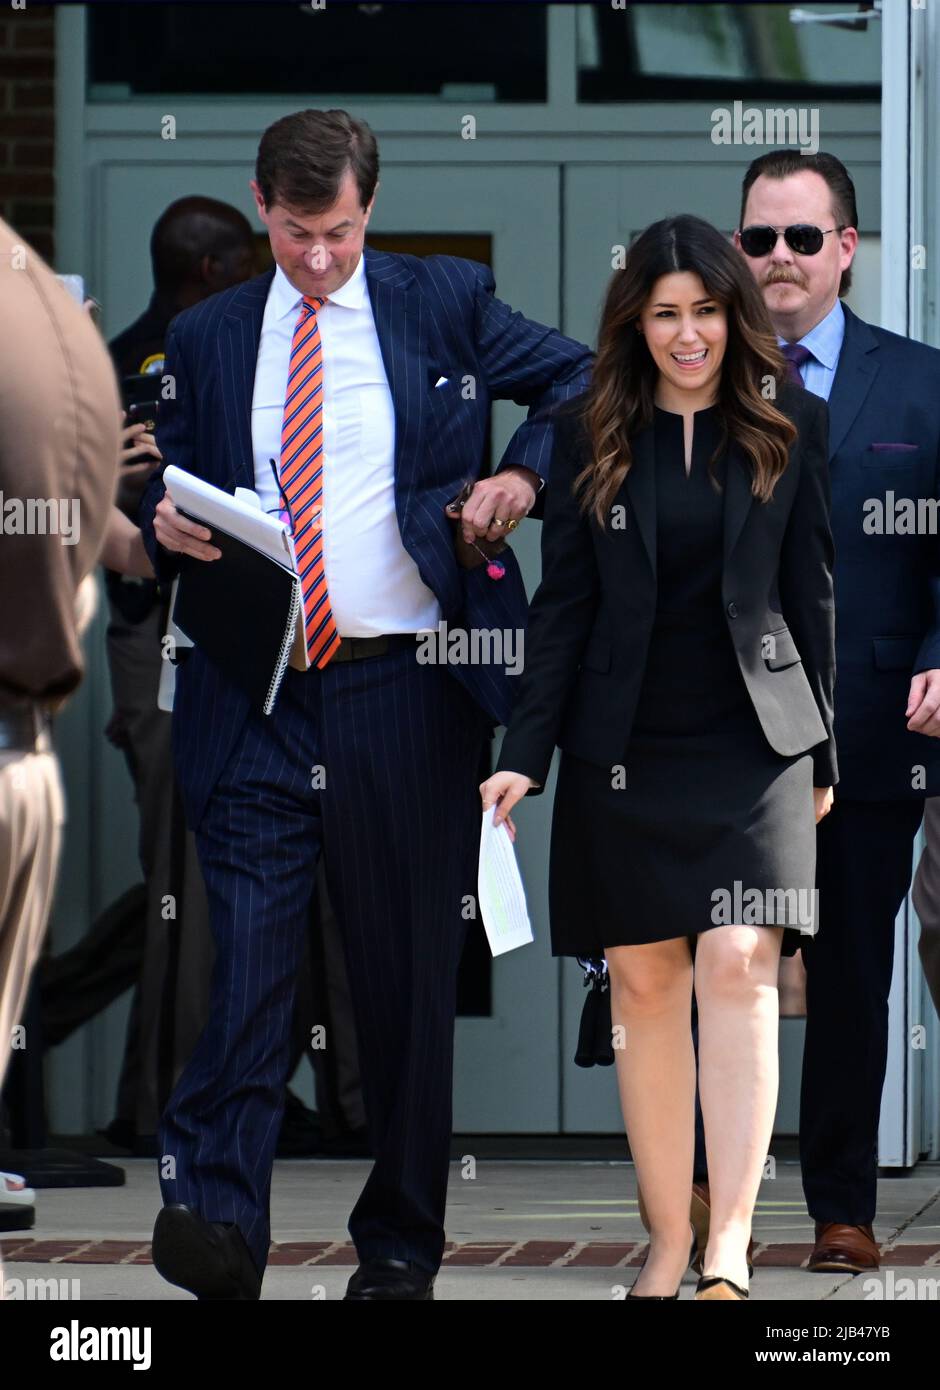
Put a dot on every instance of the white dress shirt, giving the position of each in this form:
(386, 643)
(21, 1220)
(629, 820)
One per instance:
(373, 582)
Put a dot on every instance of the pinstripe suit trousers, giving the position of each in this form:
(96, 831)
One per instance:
(376, 763)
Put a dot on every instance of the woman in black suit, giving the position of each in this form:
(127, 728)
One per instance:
(680, 652)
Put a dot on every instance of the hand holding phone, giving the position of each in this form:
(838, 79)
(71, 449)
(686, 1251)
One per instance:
(143, 413)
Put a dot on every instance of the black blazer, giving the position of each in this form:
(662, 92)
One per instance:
(592, 614)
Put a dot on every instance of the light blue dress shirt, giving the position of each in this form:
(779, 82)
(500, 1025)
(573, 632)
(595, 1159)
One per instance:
(825, 343)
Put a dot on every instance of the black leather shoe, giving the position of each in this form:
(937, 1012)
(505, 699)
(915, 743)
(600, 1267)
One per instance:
(209, 1258)
(390, 1279)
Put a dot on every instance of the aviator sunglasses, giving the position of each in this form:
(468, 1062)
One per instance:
(801, 237)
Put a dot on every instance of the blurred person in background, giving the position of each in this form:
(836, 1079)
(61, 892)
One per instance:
(198, 246)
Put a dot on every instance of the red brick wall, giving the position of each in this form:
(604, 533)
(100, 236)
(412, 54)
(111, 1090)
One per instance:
(27, 123)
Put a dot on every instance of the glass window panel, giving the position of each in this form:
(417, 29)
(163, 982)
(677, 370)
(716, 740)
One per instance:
(659, 52)
(400, 52)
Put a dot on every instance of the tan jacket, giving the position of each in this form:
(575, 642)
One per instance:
(59, 443)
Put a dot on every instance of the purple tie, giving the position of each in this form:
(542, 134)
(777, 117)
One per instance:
(796, 354)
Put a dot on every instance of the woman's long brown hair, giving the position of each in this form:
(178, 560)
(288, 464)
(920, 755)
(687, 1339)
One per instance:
(619, 401)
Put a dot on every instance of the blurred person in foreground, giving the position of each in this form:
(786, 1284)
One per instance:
(59, 429)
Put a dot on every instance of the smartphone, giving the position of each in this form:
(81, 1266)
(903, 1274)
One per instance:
(140, 398)
(142, 413)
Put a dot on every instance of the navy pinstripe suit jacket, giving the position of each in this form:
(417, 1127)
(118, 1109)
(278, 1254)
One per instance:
(435, 316)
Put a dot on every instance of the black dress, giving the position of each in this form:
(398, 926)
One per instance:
(706, 825)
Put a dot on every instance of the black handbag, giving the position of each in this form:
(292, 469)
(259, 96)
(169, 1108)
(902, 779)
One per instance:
(595, 1041)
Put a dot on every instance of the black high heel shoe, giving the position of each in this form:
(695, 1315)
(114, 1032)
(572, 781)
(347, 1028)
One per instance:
(658, 1297)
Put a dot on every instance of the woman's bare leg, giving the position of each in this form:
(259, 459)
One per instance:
(651, 997)
(736, 988)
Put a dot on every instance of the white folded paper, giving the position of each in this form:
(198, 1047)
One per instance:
(236, 515)
(166, 691)
(500, 892)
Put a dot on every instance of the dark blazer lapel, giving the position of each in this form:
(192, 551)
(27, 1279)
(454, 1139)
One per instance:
(239, 335)
(397, 309)
(855, 373)
(641, 490)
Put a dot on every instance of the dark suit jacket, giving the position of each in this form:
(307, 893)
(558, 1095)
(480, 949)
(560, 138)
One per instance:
(435, 316)
(591, 618)
(887, 586)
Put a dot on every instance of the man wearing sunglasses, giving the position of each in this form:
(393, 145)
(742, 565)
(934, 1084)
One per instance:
(798, 231)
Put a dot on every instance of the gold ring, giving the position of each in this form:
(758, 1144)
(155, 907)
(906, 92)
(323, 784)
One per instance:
(497, 522)
(511, 525)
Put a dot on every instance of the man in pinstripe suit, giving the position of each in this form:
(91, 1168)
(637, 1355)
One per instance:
(352, 388)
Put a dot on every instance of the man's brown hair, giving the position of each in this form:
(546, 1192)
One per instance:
(303, 158)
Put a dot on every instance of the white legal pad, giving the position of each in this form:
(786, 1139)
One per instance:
(499, 889)
(238, 516)
(259, 568)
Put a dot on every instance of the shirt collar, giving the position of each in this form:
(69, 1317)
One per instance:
(825, 339)
(352, 294)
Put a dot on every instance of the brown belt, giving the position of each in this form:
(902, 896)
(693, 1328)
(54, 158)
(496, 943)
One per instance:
(354, 648)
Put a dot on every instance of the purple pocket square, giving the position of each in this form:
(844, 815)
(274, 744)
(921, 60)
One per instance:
(886, 448)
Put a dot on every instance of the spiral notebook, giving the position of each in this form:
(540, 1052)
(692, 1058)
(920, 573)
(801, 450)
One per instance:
(242, 610)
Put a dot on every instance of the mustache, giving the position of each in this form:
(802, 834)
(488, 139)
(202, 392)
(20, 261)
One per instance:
(784, 277)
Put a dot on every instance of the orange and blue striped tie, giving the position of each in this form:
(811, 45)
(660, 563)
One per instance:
(301, 476)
